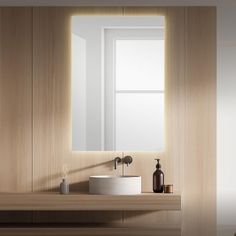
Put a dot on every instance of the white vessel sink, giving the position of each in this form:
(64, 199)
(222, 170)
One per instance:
(114, 185)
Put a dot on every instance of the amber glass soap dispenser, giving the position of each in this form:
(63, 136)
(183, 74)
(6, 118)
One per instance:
(158, 179)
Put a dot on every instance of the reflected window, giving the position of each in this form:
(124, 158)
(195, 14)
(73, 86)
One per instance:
(117, 79)
(135, 64)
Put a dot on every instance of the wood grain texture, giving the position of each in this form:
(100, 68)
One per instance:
(189, 161)
(172, 157)
(144, 165)
(89, 231)
(16, 99)
(51, 96)
(200, 129)
(115, 11)
(87, 202)
(52, 114)
(144, 11)
(175, 96)
(52, 109)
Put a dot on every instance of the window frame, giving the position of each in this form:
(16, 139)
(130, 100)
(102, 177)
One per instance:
(110, 35)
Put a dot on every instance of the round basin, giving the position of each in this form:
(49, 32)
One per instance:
(114, 185)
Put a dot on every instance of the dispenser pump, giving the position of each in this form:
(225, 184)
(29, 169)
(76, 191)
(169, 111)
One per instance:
(158, 178)
(158, 165)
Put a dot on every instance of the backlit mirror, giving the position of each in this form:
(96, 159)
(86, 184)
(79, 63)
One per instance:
(117, 83)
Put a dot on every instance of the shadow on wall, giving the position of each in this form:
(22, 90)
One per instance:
(82, 186)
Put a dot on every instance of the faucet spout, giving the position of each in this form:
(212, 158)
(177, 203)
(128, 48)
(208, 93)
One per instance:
(117, 160)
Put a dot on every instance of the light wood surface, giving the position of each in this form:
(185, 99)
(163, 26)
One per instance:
(81, 202)
(199, 167)
(93, 11)
(171, 159)
(190, 89)
(15, 104)
(51, 96)
(82, 164)
(90, 231)
(52, 112)
(189, 161)
(144, 11)
(16, 99)
(175, 96)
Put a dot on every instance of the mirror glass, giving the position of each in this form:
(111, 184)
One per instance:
(117, 83)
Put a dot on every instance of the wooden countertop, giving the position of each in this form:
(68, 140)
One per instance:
(49, 201)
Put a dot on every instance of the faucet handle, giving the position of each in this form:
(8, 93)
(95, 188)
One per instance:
(127, 160)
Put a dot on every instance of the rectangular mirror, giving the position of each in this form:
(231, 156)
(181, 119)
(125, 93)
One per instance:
(117, 83)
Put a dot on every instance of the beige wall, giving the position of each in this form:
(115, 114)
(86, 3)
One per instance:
(35, 121)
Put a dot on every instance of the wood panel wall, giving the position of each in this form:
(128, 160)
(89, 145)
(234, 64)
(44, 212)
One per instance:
(200, 122)
(35, 111)
(15, 104)
(16, 99)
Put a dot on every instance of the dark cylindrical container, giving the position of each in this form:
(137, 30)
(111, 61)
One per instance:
(168, 188)
(158, 179)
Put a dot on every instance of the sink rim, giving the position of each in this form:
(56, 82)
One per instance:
(115, 184)
(114, 176)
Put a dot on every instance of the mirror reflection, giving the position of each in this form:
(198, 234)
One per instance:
(117, 83)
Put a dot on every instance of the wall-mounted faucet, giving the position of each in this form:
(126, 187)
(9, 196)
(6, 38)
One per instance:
(125, 160)
(117, 160)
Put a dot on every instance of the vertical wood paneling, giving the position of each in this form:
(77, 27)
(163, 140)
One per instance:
(172, 157)
(93, 11)
(52, 113)
(52, 101)
(175, 95)
(15, 105)
(144, 11)
(51, 95)
(199, 187)
(190, 157)
(15, 99)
